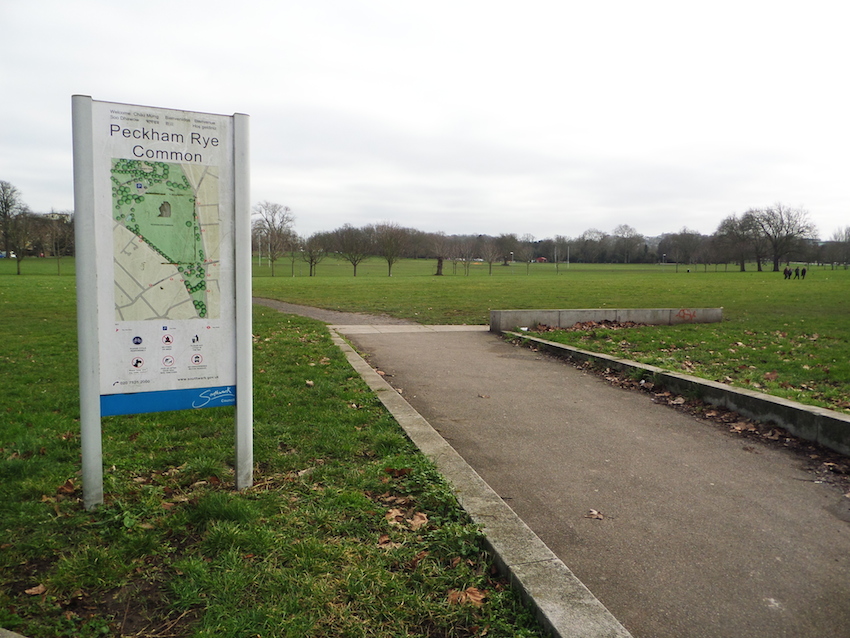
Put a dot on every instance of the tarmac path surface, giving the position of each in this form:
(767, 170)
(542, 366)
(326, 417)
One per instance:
(702, 534)
(331, 316)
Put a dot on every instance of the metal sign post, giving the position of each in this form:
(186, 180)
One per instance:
(162, 213)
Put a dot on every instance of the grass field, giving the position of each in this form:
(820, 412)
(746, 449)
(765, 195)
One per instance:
(348, 530)
(787, 338)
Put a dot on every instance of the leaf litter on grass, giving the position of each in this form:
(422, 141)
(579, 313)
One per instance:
(772, 362)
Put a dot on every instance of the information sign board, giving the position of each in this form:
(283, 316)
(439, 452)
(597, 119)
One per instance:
(162, 216)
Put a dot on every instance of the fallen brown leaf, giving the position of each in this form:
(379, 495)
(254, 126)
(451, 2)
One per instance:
(595, 514)
(470, 595)
(67, 487)
(398, 472)
(415, 561)
(38, 590)
(419, 519)
(395, 516)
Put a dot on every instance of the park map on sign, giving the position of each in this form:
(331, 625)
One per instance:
(166, 240)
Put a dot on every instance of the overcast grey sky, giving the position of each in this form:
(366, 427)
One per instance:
(491, 117)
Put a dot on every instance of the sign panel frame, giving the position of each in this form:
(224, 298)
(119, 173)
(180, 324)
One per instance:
(162, 217)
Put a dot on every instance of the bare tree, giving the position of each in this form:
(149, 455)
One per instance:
(463, 251)
(682, 247)
(274, 226)
(841, 239)
(38, 242)
(560, 250)
(418, 243)
(19, 231)
(591, 245)
(294, 251)
(352, 244)
(314, 250)
(391, 241)
(441, 246)
(739, 239)
(525, 251)
(784, 229)
(627, 242)
(490, 252)
(10, 206)
(60, 236)
(509, 245)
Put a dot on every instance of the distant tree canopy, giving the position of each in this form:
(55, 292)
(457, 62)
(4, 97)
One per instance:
(772, 234)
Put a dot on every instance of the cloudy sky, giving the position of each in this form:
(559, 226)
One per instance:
(545, 118)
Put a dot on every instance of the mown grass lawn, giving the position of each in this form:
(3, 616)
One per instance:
(787, 338)
(348, 530)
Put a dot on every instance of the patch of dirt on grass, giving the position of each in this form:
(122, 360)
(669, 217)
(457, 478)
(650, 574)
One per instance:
(140, 609)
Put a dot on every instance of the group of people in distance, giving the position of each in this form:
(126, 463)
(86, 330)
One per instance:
(794, 274)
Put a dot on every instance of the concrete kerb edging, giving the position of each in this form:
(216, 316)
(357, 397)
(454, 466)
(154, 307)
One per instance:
(825, 427)
(564, 606)
(5, 633)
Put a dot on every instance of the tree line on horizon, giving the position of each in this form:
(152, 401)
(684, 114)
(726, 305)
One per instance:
(772, 235)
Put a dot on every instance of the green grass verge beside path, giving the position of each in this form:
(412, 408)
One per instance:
(348, 531)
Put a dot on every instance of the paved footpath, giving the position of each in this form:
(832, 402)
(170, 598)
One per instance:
(702, 535)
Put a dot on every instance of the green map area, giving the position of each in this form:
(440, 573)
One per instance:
(156, 202)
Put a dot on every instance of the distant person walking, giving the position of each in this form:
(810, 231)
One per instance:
(797, 272)
(803, 273)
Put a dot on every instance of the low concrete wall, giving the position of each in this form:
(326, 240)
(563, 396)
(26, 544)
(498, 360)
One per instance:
(503, 320)
(826, 427)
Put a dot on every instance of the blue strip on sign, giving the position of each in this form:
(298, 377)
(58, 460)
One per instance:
(164, 400)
